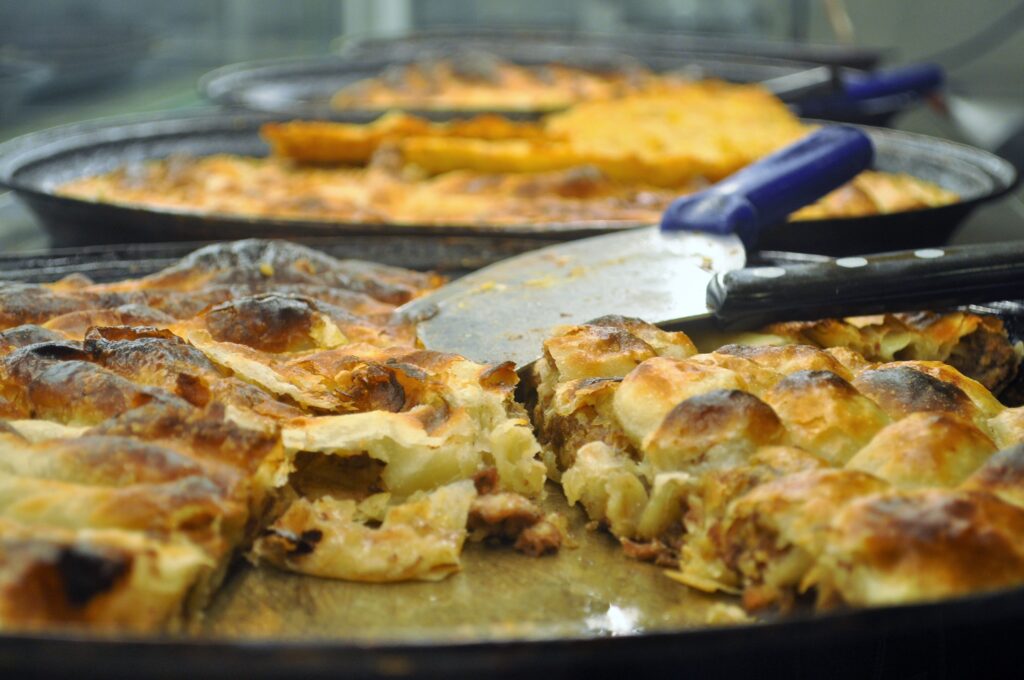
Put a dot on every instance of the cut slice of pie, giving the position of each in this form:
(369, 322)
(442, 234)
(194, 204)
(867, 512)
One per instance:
(253, 396)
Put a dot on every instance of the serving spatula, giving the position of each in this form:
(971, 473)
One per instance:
(505, 310)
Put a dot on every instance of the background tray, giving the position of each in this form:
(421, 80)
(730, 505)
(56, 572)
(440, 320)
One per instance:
(36, 164)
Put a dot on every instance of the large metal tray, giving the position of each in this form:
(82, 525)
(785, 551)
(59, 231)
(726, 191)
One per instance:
(588, 611)
(36, 164)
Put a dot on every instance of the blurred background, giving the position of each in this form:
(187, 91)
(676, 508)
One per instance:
(68, 60)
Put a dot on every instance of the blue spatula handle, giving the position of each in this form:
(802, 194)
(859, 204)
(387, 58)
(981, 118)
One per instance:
(765, 192)
(915, 78)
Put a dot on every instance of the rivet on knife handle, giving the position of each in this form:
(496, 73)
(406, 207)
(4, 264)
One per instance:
(765, 192)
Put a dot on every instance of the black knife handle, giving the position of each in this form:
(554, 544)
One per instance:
(886, 282)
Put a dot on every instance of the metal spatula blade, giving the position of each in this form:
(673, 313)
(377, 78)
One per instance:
(504, 311)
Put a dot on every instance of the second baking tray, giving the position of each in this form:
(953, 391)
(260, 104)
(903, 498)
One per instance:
(302, 88)
(35, 165)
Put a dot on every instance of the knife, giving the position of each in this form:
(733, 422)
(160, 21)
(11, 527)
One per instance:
(504, 311)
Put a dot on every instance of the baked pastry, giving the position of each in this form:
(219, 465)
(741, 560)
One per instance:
(619, 161)
(255, 397)
(576, 195)
(779, 470)
(480, 80)
(261, 398)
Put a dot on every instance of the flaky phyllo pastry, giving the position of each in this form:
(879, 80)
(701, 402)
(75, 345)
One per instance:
(262, 399)
(255, 397)
(837, 459)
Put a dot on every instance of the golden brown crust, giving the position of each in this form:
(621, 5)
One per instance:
(139, 457)
(718, 428)
(978, 346)
(650, 391)
(101, 578)
(788, 359)
(733, 466)
(772, 534)
(320, 142)
(922, 545)
(825, 414)
(925, 450)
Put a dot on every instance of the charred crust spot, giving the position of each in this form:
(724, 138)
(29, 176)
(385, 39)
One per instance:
(435, 416)
(499, 376)
(910, 391)
(617, 321)
(414, 372)
(192, 389)
(85, 574)
(768, 352)
(712, 411)
(807, 380)
(50, 351)
(925, 522)
(312, 536)
(742, 351)
(1004, 466)
(115, 333)
(371, 387)
(270, 322)
(612, 339)
(22, 303)
(429, 360)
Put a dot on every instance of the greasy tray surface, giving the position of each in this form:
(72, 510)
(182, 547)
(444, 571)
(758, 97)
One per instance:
(586, 608)
(36, 164)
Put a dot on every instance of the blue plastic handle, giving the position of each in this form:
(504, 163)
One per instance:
(765, 192)
(915, 78)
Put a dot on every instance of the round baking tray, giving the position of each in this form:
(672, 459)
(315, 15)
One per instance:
(35, 165)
